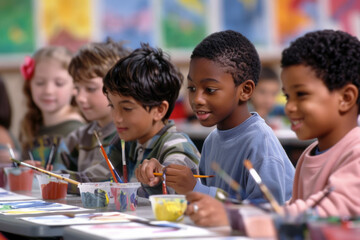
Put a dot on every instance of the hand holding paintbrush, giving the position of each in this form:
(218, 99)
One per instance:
(263, 187)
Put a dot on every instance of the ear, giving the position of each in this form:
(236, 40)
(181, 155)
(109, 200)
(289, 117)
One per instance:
(246, 90)
(160, 111)
(349, 94)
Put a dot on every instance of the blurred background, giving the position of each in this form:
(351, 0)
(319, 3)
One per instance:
(177, 26)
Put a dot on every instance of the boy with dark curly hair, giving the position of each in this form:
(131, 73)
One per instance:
(142, 89)
(321, 80)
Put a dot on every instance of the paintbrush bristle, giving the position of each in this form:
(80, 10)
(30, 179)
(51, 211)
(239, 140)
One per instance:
(248, 164)
(97, 138)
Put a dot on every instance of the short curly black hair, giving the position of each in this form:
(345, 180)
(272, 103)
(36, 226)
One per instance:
(234, 52)
(148, 76)
(333, 55)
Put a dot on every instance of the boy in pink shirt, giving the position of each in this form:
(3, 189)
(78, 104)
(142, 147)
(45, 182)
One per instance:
(321, 80)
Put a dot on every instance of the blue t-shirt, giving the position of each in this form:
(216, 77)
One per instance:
(254, 140)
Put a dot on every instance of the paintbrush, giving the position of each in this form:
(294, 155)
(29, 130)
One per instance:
(326, 192)
(233, 184)
(275, 205)
(164, 190)
(111, 167)
(195, 176)
(46, 172)
(50, 158)
(12, 154)
(125, 175)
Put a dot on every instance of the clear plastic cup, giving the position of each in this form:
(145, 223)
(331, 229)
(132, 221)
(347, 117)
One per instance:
(19, 178)
(168, 207)
(125, 195)
(51, 187)
(95, 194)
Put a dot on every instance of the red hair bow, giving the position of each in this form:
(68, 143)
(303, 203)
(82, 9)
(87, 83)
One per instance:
(27, 68)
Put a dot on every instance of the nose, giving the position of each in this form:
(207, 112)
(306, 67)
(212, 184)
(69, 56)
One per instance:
(290, 107)
(49, 87)
(197, 98)
(80, 96)
(116, 116)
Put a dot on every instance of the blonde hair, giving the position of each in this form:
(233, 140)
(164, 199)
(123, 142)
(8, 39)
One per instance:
(33, 119)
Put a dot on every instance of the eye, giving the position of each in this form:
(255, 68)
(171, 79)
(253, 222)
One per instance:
(210, 90)
(191, 89)
(301, 94)
(91, 89)
(111, 106)
(127, 109)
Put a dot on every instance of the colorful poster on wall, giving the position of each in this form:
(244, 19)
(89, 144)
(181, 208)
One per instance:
(16, 27)
(66, 22)
(295, 17)
(345, 15)
(247, 17)
(183, 23)
(131, 22)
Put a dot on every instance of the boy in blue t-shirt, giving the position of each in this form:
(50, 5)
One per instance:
(224, 70)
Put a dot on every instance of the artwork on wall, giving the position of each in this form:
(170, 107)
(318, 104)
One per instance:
(66, 22)
(294, 18)
(131, 22)
(249, 18)
(175, 25)
(345, 15)
(16, 27)
(183, 23)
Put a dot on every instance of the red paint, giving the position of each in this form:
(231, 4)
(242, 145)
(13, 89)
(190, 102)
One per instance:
(54, 190)
(22, 182)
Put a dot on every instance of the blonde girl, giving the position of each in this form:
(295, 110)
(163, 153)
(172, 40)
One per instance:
(51, 113)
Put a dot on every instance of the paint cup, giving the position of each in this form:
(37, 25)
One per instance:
(125, 195)
(52, 187)
(168, 207)
(3, 179)
(19, 178)
(95, 194)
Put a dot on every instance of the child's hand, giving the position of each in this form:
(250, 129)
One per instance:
(205, 210)
(180, 178)
(34, 163)
(145, 172)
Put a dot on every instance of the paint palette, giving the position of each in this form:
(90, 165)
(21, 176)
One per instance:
(125, 195)
(168, 207)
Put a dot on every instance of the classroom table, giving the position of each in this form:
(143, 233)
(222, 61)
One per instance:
(15, 228)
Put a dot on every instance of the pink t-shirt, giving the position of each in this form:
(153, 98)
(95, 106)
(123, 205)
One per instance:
(338, 167)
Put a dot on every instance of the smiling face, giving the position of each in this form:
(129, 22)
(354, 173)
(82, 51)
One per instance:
(132, 120)
(92, 101)
(51, 87)
(213, 95)
(312, 109)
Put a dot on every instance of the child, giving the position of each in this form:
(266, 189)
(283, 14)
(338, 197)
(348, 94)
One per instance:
(5, 121)
(321, 80)
(142, 89)
(268, 87)
(51, 114)
(224, 70)
(80, 151)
